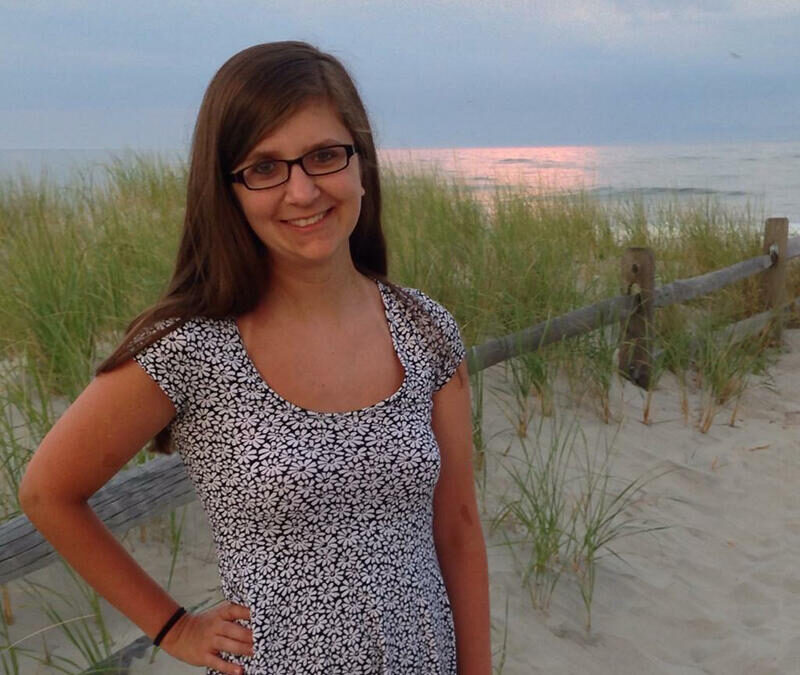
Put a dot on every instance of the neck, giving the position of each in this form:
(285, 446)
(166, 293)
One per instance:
(315, 295)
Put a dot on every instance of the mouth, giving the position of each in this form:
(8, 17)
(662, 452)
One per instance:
(311, 221)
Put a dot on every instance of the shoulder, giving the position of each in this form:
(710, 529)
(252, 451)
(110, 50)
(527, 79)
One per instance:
(173, 353)
(440, 333)
(176, 327)
(428, 314)
(177, 337)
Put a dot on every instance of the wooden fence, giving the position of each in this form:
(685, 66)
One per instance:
(136, 495)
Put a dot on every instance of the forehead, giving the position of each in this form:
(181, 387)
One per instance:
(303, 130)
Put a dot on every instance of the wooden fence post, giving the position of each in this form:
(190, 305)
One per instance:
(776, 238)
(638, 277)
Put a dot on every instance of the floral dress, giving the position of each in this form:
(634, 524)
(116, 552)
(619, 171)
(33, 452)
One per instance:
(322, 521)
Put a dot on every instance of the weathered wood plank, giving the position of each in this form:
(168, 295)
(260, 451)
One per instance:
(689, 289)
(601, 313)
(128, 499)
(638, 279)
(573, 323)
(753, 325)
(776, 239)
(120, 661)
(741, 330)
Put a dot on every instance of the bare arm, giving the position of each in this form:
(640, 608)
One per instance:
(457, 532)
(106, 425)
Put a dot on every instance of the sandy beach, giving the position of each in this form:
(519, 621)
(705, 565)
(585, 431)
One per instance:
(716, 591)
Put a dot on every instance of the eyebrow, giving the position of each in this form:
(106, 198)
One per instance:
(271, 154)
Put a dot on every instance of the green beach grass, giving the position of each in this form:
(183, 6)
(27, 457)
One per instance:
(77, 262)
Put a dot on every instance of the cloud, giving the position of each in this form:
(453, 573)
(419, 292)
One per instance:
(666, 26)
(445, 64)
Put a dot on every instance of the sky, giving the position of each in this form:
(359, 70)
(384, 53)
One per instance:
(433, 73)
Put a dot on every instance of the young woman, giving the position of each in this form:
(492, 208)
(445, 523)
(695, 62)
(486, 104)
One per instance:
(322, 412)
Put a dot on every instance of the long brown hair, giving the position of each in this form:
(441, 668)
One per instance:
(219, 256)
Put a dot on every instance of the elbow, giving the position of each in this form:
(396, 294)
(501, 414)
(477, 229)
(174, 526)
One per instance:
(28, 496)
(32, 496)
(39, 506)
(35, 499)
(38, 495)
(461, 540)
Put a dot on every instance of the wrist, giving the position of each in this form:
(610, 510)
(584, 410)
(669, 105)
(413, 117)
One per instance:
(169, 626)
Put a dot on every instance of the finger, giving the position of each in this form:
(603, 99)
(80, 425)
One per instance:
(223, 644)
(223, 666)
(232, 611)
(236, 632)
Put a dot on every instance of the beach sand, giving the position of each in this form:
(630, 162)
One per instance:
(716, 591)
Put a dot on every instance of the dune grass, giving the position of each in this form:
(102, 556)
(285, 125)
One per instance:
(77, 262)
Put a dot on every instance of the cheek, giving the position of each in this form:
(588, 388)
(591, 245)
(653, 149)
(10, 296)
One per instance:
(350, 182)
(255, 206)
(346, 193)
(352, 189)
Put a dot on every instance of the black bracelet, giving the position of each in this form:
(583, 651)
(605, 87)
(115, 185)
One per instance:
(170, 623)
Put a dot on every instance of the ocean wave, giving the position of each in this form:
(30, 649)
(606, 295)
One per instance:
(540, 163)
(655, 191)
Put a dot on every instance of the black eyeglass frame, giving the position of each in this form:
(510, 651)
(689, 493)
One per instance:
(350, 150)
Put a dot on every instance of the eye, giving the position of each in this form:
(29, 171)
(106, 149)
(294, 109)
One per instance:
(325, 156)
(265, 167)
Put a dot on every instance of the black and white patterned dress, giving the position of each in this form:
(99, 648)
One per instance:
(322, 521)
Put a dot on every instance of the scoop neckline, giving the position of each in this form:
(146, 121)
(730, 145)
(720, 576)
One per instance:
(258, 377)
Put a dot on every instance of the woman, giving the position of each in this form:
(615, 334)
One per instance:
(347, 530)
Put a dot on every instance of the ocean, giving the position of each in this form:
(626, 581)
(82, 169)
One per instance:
(761, 176)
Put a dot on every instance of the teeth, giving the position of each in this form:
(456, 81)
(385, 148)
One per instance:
(303, 222)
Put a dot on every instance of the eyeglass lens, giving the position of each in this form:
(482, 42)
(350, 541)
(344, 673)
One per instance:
(271, 172)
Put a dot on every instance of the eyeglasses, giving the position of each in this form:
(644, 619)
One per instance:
(269, 173)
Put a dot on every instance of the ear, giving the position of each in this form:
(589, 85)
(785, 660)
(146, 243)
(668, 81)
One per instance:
(363, 191)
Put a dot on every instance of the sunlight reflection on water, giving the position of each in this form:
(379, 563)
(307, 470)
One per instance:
(764, 177)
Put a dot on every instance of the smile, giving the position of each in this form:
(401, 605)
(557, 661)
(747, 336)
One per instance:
(311, 220)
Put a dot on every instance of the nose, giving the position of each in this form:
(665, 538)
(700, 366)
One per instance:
(300, 188)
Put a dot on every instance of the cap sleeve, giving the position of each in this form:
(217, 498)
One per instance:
(445, 342)
(167, 362)
(451, 350)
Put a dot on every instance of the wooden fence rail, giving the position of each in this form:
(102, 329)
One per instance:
(136, 495)
(130, 498)
(608, 311)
